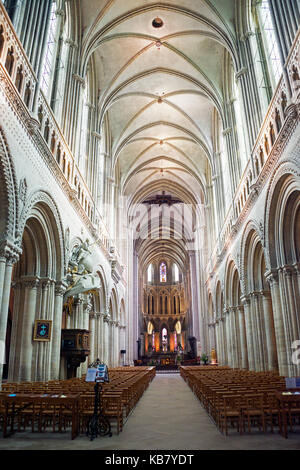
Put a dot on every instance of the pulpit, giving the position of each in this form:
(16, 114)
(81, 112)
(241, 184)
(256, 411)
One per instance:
(75, 348)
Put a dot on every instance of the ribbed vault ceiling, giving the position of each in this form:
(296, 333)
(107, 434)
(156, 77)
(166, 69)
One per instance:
(159, 88)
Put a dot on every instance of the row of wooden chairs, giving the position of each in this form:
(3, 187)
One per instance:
(118, 398)
(239, 399)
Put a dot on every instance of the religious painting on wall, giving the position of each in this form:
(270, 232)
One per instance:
(42, 330)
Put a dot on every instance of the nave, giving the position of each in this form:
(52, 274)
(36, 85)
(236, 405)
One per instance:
(167, 417)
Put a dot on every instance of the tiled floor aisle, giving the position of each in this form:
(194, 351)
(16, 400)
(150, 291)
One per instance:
(168, 417)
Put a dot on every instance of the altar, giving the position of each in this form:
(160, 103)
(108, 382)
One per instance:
(162, 359)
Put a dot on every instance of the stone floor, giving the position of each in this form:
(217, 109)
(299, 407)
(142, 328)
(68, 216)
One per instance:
(168, 417)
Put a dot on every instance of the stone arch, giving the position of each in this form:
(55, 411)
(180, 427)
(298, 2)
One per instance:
(122, 314)
(103, 289)
(9, 210)
(219, 300)
(42, 206)
(211, 311)
(114, 304)
(38, 278)
(251, 236)
(282, 217)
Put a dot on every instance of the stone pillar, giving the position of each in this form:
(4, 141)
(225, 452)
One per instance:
(228, 344)
(13, 369)
(233, 336)
(117, 344)
(260, 365)
(272, 278)
(100, 348)
(217, 347)
(5, 283)
(40, 355)
(250, 346)
(243, 339)
(6, 266)
(288, 272)
(92, 328)
(106, 339)
(221, 336)
(272, 362)
(25, 359)
(60, 289)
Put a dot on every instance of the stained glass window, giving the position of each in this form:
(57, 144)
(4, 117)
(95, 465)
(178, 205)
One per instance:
(163, 272)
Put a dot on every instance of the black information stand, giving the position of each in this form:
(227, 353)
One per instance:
(99, 425)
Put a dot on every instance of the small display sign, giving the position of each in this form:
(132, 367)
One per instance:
(102, 373)
(91, 375)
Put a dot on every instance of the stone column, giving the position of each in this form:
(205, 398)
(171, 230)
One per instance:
(106, 339)
(259, 333)
(288, 272)
(117, 344)
(60, 289)
(218, 348)
(100, 336)
(250, 346)
(272, 278)
(25, 359)
(233, 336)
(40, 348)
(221, 357)
(92, 328)
(6, 266)
(243, 340)
(228, 344)
(13, 369)
(272, 363)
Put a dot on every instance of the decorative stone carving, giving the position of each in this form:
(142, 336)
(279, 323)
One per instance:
(80, 277)
(23, 190)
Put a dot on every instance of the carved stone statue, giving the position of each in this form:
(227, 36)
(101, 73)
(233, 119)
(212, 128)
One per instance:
(81, 258)
(80, 277)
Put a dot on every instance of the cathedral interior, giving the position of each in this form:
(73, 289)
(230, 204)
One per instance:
(150, 185)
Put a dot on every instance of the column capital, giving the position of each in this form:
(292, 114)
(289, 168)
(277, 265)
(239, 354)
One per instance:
(265, 294)
(71, 43)
(240, 73)
(60, 288)
(272, 277)
(79, 79)
(10, 252)
(106, 318)
(288, 270)
(45, 283)
(60, 12)
(296, 267)
(227, 131)
(96, 135)
(245, 300)
(30, 282)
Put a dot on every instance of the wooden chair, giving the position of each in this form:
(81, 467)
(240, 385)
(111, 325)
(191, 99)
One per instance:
(271, 408)
(229, 412)
(112, 408)
(253, 412)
